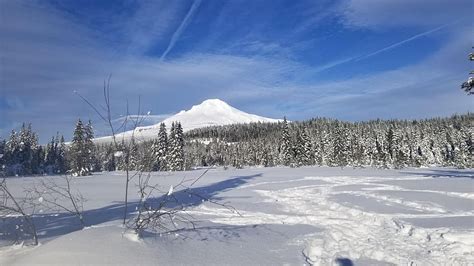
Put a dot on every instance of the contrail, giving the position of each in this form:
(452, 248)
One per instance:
(181, 28)
(390, 47)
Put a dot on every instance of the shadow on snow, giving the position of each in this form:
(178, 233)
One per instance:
(56, 224)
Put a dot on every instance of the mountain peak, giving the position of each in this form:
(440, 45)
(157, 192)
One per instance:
(214, 112)
(213, 104)
(211, 112)
(214, 101)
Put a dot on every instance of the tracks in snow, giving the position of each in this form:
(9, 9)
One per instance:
(354, 233)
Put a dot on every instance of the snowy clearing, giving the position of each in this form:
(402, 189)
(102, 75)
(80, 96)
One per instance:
(313, 215)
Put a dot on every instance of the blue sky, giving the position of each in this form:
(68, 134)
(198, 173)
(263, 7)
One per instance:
(349, 59)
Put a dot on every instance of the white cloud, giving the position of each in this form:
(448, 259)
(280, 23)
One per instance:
(46, 56)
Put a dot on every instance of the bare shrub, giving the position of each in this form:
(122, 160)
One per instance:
(58, 196)
(19, 211)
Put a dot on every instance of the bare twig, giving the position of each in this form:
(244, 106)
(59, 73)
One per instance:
(10, 206)
(59, 197)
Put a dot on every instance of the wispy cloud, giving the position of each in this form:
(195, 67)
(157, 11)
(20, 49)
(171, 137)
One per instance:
(46, 55)
(181, 28)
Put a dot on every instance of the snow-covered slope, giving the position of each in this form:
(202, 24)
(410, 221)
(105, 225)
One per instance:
(212, 112)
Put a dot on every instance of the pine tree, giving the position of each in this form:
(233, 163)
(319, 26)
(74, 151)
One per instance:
(170, 157)
(324, 148)
(179, 147)
(26, 151)
(286, 154)
(390, 147)
(2, 157)
(108, 160)
(176, 148)
(50, 157)
(401, 150)
(160, 149)
(463, 157)
(61, 161)
(79, 151)
(303, 149)
(12, 147)
(342, 148)
(308, 152)
(89, 148)
(121, 157)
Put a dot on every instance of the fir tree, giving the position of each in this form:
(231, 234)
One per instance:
(160, 149)
(61, 161)
(12, 148)
(89, 148)
(286, 154)
(79, 154)
(2, 157)
(25, 152)
(50, 157)
(342, 146)
(176, 148)
(303, 148)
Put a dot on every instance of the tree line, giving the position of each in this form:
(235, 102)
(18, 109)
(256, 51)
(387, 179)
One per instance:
(330, 142)
(21, 154)
(319, 141)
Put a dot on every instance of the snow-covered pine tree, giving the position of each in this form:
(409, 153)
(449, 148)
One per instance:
(341, 146)
(286, 153)
(463, 156)
(121, 156)
(61, 161)
(175, 156)
(133, 156)
(381, 156)
(3, 144)
(402, 149)
(324, 148)
(78, 151)
(303, 148)
(50, 157)
(179, 147)
(89, 148)
(108, 159)
(170, 157)
(160, 149)
(12, 146)
(28, 145)
(390, 146)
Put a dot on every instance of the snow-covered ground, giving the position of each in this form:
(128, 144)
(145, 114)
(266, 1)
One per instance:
(313, 215)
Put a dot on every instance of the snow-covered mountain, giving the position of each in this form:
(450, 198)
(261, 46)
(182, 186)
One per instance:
(212, 112)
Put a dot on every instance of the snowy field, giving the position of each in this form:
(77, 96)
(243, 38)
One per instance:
(321, 216)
